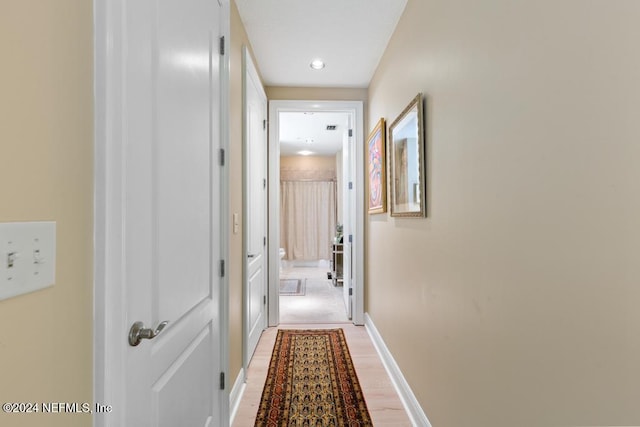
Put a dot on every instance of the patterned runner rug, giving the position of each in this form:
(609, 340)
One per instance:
(312, 382)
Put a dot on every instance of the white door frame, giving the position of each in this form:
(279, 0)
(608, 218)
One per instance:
(109, 294)
(249, 72)
(355, 108)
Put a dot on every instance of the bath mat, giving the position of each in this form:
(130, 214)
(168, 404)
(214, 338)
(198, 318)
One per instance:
(312, 382)
(292, 287)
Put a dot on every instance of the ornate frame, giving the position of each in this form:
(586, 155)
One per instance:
(376, 169)
(406, 154)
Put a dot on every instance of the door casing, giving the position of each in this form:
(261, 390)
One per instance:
(356, 110)
(250, 78)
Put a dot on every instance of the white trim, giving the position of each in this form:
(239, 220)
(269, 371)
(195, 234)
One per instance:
(273, 231)
(356, 109)
(235, 397)
(249, 72)
(108, 304)
(358, 244)
(225, 60)
(409, 401)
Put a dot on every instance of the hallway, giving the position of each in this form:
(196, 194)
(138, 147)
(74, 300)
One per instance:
(512, 302)
(382, 400)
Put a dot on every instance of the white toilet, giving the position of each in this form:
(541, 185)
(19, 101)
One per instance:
(282, 254)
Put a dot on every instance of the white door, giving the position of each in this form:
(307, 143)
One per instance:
(255, 110)
(348, 198)
(167, 220)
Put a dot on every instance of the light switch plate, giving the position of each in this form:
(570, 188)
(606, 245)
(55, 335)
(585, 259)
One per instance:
(27, 257)
(236, 223)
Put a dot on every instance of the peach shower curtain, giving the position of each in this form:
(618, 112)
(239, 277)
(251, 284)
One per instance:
(308, 211)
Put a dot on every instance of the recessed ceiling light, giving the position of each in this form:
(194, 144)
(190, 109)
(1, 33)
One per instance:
(305, 152)
(317, 64)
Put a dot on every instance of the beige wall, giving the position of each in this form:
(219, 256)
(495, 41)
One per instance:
(239, 38)
(308, 163)
(46, 158)
(515, 303)
(315, 93)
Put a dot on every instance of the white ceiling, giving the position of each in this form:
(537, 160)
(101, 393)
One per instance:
(349, 35)
(286, 35)
(308, 131)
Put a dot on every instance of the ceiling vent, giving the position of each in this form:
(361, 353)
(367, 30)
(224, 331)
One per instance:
(332, 127)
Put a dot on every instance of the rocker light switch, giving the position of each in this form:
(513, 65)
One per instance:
(27, 257)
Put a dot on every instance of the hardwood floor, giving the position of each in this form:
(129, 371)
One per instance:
(382, 400)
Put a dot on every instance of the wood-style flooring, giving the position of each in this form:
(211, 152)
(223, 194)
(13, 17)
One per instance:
(382, 400)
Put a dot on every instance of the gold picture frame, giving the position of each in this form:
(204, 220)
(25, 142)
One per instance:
(376, 169)
(406, 154)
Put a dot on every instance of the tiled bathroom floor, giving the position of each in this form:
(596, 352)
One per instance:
(322, 302)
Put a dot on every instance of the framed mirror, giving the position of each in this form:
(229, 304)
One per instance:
(406, 162)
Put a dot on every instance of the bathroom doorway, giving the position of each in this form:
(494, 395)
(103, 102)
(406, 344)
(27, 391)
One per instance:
(313, 148)
(311, 216)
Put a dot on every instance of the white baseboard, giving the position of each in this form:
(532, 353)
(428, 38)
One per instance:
(411, 405)
(236, 395)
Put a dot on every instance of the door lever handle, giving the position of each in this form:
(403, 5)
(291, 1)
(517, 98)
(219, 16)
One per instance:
(138, 332)
(251, 255)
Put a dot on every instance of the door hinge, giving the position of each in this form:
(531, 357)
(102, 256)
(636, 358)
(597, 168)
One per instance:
(222, 385)
(264, 241)
(264, 124)
(221, 268)
(264, 183)
(221, 156)
(350, 132)
(264, 299)
(350, 238)
(222, 45)
(350, 291)
(350, 185)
